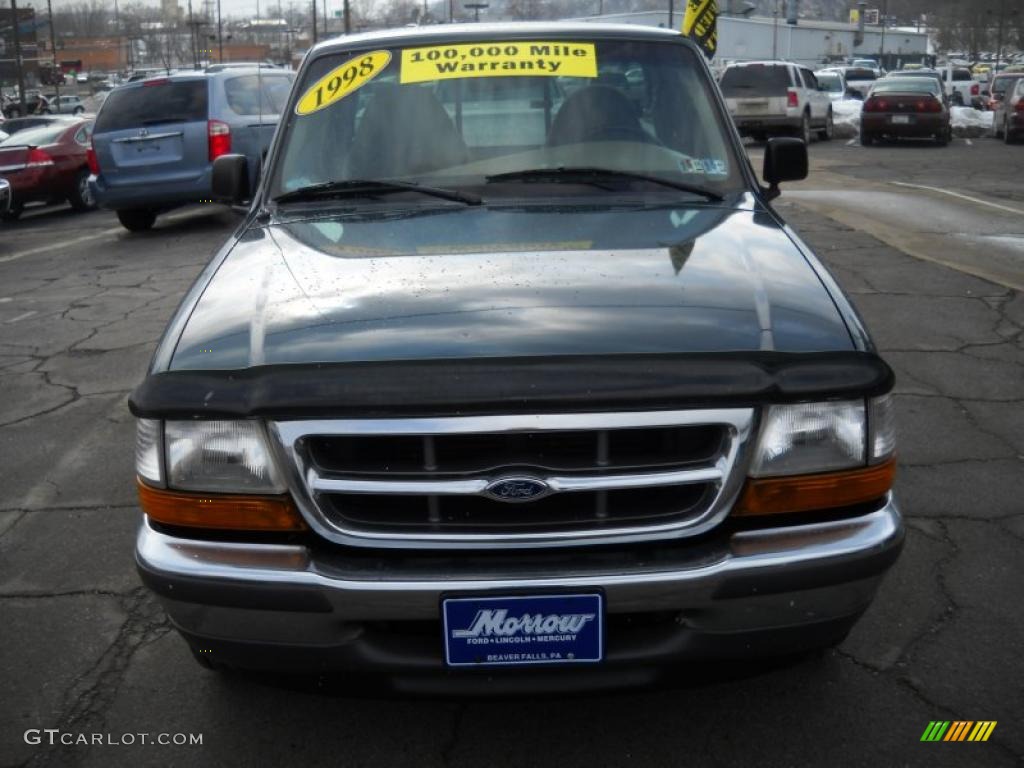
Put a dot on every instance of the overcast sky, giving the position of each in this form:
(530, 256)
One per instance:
(228, 7)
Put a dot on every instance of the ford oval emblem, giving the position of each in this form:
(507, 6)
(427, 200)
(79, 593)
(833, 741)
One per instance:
(518, 489)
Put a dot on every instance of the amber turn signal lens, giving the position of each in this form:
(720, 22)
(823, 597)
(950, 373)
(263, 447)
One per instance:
(236, 512)
(800, 493)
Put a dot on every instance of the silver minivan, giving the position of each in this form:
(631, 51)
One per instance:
(155, 140)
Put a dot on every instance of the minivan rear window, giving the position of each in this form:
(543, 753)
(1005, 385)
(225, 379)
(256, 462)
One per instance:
(755, 80)
(168, 101)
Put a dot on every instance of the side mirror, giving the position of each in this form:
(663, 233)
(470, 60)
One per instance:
(785, 159)
(231, 179)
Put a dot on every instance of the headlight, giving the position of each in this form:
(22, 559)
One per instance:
(811, 437)
(819, 456)
(219, 456)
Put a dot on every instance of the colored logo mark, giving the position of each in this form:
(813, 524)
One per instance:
(958, 730)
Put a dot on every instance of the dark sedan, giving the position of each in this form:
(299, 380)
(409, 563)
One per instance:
(48, 164)
(905, 108)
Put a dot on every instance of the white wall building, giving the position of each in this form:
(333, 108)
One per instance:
(809, 42)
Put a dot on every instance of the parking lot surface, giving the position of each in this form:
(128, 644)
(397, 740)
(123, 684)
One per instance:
(87, 649)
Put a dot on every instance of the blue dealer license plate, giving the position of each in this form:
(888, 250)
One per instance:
(519, 630)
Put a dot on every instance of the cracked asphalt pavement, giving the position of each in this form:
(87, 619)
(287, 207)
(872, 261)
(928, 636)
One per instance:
(87, 650)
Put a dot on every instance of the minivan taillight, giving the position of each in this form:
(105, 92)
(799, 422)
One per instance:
(792, 100)
(90, 158)
(37, 158)
(219, 135)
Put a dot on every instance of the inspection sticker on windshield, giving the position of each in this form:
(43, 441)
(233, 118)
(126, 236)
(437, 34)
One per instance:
(498, 59)
(342, 81)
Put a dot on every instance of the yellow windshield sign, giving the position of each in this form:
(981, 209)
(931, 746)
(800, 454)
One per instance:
(498, 59)
(342, 81)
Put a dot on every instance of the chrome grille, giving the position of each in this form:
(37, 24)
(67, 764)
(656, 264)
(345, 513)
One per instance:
(605, 477)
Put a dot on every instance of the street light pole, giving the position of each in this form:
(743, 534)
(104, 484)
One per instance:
(314, 21)
(53, 50)
(671, 22)
(775, 31)
(881, 48)
(192, 37)
(220, 35)
(999, 35)
(17, 56)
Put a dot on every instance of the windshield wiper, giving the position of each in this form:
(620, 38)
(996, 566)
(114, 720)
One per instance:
(594, 175)
(371, 187)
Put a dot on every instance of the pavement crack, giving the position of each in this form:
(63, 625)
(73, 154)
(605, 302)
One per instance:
(89, 696)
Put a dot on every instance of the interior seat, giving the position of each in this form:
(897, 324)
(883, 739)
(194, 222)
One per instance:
(405, 131)
(596, 113)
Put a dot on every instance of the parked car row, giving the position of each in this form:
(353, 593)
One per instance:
(37, 103)
(778, 97)
(156, 140)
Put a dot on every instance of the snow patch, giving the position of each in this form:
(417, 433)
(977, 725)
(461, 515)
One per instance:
(971, 123)
(846, 118)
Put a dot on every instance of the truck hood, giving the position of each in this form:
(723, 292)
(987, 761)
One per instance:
(515, 282)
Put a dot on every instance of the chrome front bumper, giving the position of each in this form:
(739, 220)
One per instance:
(337, 611)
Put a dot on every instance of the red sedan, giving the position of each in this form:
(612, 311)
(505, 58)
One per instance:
(48, 164)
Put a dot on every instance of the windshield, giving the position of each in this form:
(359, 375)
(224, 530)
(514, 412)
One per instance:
(1003, 83)
(915, 85)
(452, 115)
(252, 94)
(35, 137)
(157, 101)
(755, 80)
(830, 82)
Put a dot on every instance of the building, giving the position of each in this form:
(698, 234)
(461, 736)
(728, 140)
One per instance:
(809, 42)
(27, 44)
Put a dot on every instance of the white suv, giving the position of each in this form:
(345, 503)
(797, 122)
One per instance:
(776, 97)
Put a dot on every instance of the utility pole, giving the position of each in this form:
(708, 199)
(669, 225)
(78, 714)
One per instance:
(671, 23)
(999, 36)
(53, 49)
(881, 48)
(220, 35)
(348, 19)
(17, 56)
(117, 34)
(775, 31)
(314, 21)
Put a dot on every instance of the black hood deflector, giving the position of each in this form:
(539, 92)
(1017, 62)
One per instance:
(563, 384)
